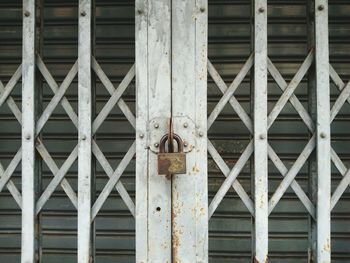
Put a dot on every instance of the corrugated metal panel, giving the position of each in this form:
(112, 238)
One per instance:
(230, 37)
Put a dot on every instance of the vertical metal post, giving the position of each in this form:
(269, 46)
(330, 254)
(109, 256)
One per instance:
(85, 132)
(260, 132)
(153, 79)
(189, 99)
(141, 47)
(323, 132)
(28, 133)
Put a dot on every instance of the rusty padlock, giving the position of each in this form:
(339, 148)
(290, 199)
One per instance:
(170, 163)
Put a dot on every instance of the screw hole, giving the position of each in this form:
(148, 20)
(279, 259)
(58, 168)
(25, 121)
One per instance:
(158, 209)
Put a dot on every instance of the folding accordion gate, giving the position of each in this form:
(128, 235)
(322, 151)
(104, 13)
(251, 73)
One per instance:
(176, 87)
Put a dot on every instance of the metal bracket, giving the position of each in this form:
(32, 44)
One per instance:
(183, 126)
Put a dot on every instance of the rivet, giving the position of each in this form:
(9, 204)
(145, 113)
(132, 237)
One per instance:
(156, 145)
(83, 137)
(323, 135)
(26, 13)
(261, 10)
(201, 134)
(83, 13)
(320, 7)
(28, 137)
(262, 136)
(202, 9)
(185, 125)
(185, 144)
(141, 135)
(156, 125)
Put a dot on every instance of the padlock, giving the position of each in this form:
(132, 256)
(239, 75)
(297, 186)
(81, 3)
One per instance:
(171, 163)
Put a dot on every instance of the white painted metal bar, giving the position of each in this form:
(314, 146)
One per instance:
(142, 155)
(189, 98)
(260, 132)
(323, 132)
(153, 100)
(85, 132)
(28, 133)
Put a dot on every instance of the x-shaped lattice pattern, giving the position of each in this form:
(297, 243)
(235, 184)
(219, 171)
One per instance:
(59, 173)
(339, 103)
(5, 175)
(289, 175)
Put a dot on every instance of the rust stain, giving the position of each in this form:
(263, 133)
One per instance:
(327, 246)
(257, 261)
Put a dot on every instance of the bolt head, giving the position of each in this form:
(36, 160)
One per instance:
(323, 135)
(83, 137)
(185, 144)
(156, 125)
(262, 137)
(202, 9)
(83, 13)
(185, 125)
(321, 7)
(261, 10)
(141, 135)
(26, 13)
(201, 134)
(139, 11)
(27, 137)
(156, 145)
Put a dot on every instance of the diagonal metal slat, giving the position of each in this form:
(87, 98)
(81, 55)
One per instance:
(57, 98)
(6, 91)
(73, 116)
(113, 99)
(279, 164)
(113, 181)
(58, 177)
(290, 89)
(303, 113)
(231, 178)
(290, 176)
(226, 171)
(110, 88)
(109, 171)
(339, 103)
(55, 170)
(12, 189)
(229, 92)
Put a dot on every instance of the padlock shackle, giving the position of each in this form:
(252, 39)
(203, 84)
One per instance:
(164, 139)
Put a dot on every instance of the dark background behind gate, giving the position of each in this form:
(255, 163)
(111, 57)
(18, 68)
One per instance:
(230, 38)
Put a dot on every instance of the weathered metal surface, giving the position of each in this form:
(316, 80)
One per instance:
(84, 132)
(323, 133)
(260, 131)
(189, 98)
(229, 47)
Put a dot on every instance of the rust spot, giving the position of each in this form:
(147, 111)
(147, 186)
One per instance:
(257, 261)
(327, 246)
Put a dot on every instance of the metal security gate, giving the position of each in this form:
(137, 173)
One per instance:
(266, 137)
